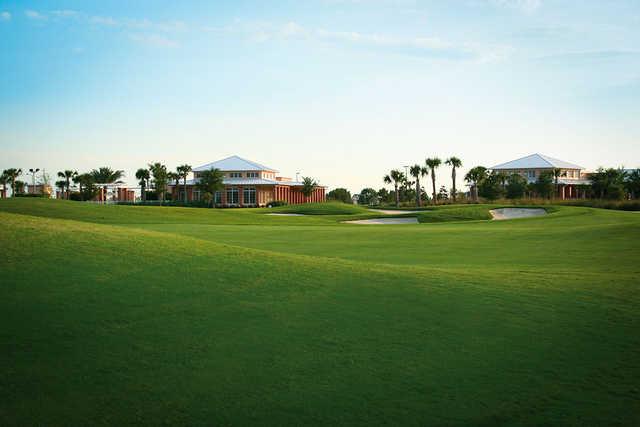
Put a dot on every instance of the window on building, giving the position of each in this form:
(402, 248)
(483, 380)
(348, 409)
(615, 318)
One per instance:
(235, 175)
(531, 174)
(181, 196)
(196, 195)
(218, 198)
(232, 196)
(252, 174)
(249, 196)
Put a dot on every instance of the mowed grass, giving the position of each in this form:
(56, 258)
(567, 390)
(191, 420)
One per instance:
(200, 316)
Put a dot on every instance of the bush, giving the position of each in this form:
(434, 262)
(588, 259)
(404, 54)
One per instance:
(277, 203)
(30, 195)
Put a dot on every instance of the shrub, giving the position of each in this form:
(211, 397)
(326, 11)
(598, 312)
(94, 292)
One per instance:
(277, 203)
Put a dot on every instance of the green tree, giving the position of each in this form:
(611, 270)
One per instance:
(443, 194)
(210, 181)
(491, 186)
(455, 163)
(544, 184)
(4, 180)
(368, 196)
(395, 177)
(474, 177)
(160, 179)
(11, 176)
(175, 178)
(557, 173)
(143, 176)
(67, 176)
(516, 186)
(433, 163)
(308, 186)
(632, 183)
(86, 186)
(608, 183)
(418, 171)
(339, 194)
(105, 175)
(184, 171)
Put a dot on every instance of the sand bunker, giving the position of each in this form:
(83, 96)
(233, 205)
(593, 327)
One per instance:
(513, 213)
(285, 214)
(380, 221)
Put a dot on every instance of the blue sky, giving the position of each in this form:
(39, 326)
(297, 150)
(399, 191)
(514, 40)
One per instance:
(341, 90)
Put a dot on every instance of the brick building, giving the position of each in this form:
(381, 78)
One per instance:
(247, 183)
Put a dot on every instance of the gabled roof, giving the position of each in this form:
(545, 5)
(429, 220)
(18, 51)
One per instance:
(234, 163)
(536, 161)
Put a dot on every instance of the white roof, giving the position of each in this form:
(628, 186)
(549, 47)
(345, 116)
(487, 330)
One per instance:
(246, 181)
(234, 163)
(536, 161)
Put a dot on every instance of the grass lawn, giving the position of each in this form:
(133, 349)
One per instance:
(157, 315)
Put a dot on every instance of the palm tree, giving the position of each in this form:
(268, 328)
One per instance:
(417, 171)
(308, 186)
(67, 176)
(175, 177)
(474, 177)
(557, 173)
(432, 163)
(183, 171)
(455, 163)
(143, 176)
(11, 175)
(210, 181)
(396, 177)
(106, 175)
(61, 184)
(84, 180)
(160, 179)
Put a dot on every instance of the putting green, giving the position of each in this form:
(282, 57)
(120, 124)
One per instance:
(149, 315)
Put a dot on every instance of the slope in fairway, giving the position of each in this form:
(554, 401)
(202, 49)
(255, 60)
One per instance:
(227, 318)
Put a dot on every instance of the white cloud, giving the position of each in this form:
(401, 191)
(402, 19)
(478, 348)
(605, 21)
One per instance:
(154, 40)
(32, 14)
(67, 13)
(421, 46)
(527, 6)
(5, 16)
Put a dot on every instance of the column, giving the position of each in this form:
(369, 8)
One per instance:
(224, 196)
(240, 195)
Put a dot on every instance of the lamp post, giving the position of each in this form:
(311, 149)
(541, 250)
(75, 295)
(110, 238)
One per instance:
(33, 178)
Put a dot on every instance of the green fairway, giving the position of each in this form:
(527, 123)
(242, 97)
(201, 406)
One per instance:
(157, 315)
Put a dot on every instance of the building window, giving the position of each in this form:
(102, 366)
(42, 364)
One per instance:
(232, 196)
(235, 175)
(252, 174)
(531, 174)
(196, 195)
(249, 196)
(218, 198)
(182, 196)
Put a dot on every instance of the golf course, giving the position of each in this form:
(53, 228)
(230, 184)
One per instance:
(125, 315)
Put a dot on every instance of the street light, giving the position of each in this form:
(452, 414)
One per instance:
(33, 178)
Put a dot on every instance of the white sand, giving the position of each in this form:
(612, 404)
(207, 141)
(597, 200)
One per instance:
(380, 221)
(391, 211)
(285, 214)
(513, 213)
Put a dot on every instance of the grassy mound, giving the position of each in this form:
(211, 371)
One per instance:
(328, 208)
(465, 213)
(177, 322)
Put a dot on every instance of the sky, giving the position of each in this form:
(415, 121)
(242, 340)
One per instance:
(339, 90)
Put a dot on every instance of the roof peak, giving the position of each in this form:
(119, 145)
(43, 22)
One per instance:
(536, 160)
(235, 163)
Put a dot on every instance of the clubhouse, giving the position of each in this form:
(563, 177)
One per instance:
(572, 178)
(248, 184)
